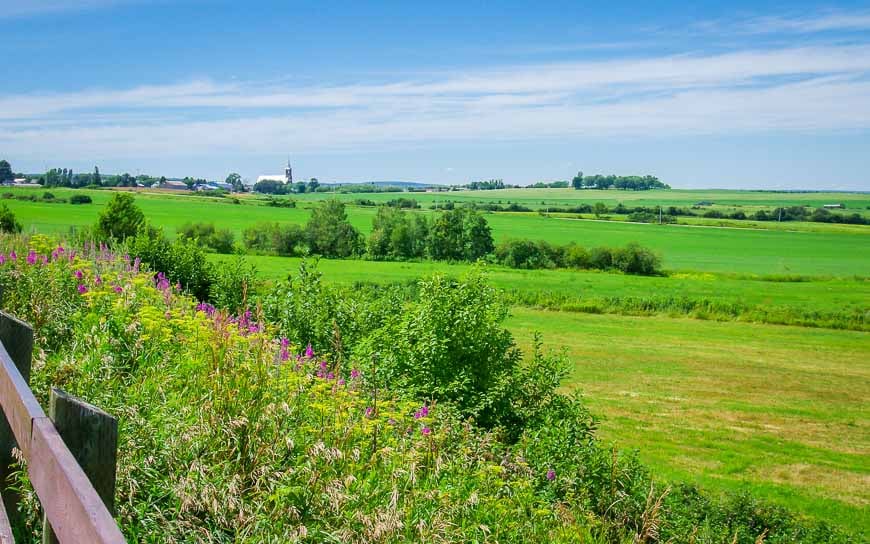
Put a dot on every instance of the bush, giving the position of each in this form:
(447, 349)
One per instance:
(47, 196)
(182, 261)
(449, 345)
(205, 234)
(634, 259)
(285, 240)
(80, 199)
(8, 222)
(120, 219)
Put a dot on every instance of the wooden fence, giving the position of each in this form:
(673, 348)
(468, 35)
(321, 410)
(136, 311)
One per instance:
(70, 454)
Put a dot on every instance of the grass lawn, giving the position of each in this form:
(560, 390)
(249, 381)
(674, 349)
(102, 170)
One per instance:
(782, 411)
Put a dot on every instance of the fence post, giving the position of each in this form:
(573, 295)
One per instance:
(17, 338)
(91, 435)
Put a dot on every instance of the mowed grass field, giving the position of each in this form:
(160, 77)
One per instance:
(699, 248)
(782, 411)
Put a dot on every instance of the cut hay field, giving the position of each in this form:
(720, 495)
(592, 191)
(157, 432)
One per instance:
(701, 248)
(782, 411)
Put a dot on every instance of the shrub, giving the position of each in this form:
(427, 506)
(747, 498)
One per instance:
(47, 196)
(120, 219)
(285, 240)
(449, 345)
(205, 234)
(601, 258)
(80, 199)
(8, 222)
(634, 259)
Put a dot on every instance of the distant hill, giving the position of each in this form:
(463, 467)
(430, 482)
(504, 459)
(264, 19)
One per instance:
(382, 184)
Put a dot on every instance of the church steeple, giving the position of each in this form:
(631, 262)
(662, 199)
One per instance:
(288, 172)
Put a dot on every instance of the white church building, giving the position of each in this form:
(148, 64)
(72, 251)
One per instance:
(286, 178)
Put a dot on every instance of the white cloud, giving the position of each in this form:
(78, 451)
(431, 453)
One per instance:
(804, 89)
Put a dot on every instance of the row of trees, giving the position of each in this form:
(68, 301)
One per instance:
(630, 183)
(275, 187)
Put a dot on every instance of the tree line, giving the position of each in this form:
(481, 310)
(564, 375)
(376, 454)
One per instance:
(628, 183)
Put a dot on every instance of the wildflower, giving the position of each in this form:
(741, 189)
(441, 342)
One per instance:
(330, 376)
(551, 475)
(79, 274)
(422, 412)
(31, 257)
(426, 431)
(118, 289)
(309, 352)
(369, 411)
(98, 280)
(2, 259)
(13, 256)
(82, 289)
(341, 381)
(354, 374)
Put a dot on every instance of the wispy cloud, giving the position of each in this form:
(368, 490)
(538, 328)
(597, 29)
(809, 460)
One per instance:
(796, 89)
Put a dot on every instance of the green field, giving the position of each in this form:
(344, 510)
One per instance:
(702, 248)
(781, 410)
(826, 295)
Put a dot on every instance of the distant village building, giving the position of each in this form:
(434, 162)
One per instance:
(174, 185)
(833, 206)
(286, 178)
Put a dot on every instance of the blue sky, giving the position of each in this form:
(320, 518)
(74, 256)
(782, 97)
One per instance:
(744, 95)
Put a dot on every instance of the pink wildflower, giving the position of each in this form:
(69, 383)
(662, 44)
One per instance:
(426, 431)
(31, 257)
(79, 274)
(551, 475)
(13, 256)
(354, 374)
(82, 289)
(309, 352)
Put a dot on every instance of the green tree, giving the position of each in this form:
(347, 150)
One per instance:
(235, 180)
(6, 174)
(599, 209)
(478, 236)
(97, 180)
(8, 222)
(329, 233)
(577, 182)
(121, 218)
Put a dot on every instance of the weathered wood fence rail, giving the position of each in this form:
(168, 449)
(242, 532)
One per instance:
(70, 456)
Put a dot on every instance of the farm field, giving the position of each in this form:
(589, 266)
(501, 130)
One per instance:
(780, 410)
(826, 295)
(730, 405)
(769, 251)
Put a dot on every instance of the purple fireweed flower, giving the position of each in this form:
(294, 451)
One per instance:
(341, 381)
(354, 374)
(98, 280)
(323, 365)
(43, 259)
(79, 274)
(136, 264)
(369, 411)
(13, 256)
(330, 376)
(426, 431)
(31, 257)
(309, 352)
(118, 289)
(551, 475)
(391, 421)
(82, 289)
(2, 259)
(285, 342)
